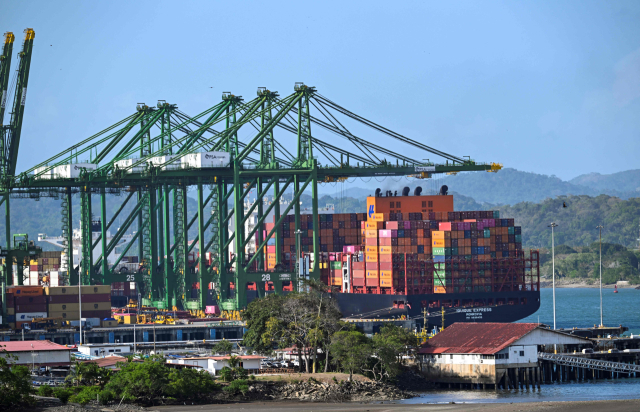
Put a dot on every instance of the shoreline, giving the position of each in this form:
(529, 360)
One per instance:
(547, 284)
(623, 405)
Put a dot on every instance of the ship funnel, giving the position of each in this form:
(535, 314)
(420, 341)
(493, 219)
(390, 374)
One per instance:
(417, 191)
(444, 190)
(378, 191)
(405, 191)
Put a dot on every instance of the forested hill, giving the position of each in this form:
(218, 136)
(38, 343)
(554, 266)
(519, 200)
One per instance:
(578, 221)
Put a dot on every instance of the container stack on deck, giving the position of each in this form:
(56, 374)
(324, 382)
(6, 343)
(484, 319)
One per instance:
(415, 249)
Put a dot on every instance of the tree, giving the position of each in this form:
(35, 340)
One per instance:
(350, 350)
(140, 381)
(257, 315)
(15, 385)
(88, 373)
(388, 347)
(224, 347)
(190, 384)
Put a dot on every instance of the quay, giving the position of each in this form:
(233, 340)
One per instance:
(143, 334)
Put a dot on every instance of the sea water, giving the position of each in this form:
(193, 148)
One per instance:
(575, 307)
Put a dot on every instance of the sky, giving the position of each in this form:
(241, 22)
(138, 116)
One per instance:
(541, 86)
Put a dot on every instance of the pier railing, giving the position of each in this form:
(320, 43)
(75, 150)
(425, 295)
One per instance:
(589, 363)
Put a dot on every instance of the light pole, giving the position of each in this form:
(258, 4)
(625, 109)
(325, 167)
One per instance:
(298, 263)
(600, 227)
(553, 271)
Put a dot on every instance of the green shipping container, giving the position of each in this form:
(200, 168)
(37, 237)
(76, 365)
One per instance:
(447, 251)
(336, 265)
(439, 251)
(496, 214)
(511, 230)
(487, 233)
(518, 238)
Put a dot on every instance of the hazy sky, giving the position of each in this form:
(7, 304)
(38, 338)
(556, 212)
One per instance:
(543, 86)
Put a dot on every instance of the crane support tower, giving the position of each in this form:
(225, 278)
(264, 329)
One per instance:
(269, 145)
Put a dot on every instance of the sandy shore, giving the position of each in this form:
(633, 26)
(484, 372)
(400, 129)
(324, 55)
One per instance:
(586, 406)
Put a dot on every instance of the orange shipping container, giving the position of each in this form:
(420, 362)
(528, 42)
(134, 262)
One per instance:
(437, 243)
(439, 289)
(370, 233)
(371, 257)
(372, 274)
(437, 234)
(384, 250)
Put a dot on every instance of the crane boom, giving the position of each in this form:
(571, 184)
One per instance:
(11, 140)
(5, 67)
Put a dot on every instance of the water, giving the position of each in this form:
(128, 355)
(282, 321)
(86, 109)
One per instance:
(558, 392)
(579, 307)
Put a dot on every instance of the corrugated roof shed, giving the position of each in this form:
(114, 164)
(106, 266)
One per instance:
(31, 345)
(481, 338)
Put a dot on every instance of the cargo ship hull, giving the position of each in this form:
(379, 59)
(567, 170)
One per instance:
(496, 306)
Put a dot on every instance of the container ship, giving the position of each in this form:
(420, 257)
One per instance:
(414, 257)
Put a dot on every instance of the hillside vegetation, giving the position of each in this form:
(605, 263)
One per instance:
(618, 263)
(578, 221)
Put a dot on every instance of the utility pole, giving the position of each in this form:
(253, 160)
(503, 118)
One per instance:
(442, 326)
(553, 272)
(600, 227)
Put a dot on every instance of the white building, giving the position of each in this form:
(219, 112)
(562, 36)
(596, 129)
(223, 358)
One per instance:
(100, 350)
(200, 362)
(250, 362)
(492, 353)
(36, 353)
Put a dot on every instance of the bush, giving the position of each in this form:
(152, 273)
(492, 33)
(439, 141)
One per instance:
(63, 394)
(190, 384)
(239, 385)
(226, 374)
(85, 395)
(15, 383)
(45, 390)
(106, 396)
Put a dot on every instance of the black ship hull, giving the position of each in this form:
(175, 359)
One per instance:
(459, 307)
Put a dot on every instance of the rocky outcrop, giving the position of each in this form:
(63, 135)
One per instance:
(315, 391)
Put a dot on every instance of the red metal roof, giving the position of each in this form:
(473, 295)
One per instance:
(31, 345)
(482, 338)
(108, 361)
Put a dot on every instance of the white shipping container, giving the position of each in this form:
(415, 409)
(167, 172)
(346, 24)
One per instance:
(127, 163)
(173, 163)
(205, 160)
(34, 278)
(24, 317)
(45, 175)
(94, 322)
(73, 170)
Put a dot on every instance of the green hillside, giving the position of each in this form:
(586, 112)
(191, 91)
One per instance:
(618, 263)
(577, 222)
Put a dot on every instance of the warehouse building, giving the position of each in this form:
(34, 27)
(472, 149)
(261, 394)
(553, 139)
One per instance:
(37, 353)
(492, 354)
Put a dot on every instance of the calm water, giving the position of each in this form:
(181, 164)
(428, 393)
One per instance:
(574, 307)
(581, 308)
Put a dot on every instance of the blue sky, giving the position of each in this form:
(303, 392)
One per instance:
(547, 87)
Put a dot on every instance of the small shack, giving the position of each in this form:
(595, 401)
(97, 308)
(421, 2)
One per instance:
(491, 355)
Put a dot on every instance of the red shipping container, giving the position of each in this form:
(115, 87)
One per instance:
(386, 266)
(372, 282)
(371, 241)
(372, 266)
(39, 307)
(385, 258)
(357, 273)
(358, 265)
(391, 225)
(30, 300)
(358, 282)
(444, 226)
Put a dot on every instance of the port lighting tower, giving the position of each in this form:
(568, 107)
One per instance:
(553, 271)
(600, 227)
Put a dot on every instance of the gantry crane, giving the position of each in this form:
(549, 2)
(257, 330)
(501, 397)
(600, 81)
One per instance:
(9, 144)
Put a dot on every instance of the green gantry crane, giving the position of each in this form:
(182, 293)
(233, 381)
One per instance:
(9, 143)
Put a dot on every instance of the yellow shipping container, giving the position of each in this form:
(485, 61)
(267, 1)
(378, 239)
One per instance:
(371, 257)
(439, 289)
(336, 281)
(387, 274)
(437, 234)
(63, 307)
(384, 250)
(65, 315)
(386, 283)
(11, 311)
(372, 274)
(437, 243)
(376, 217)
(373, 225)
(370, 233)
(108, 323)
